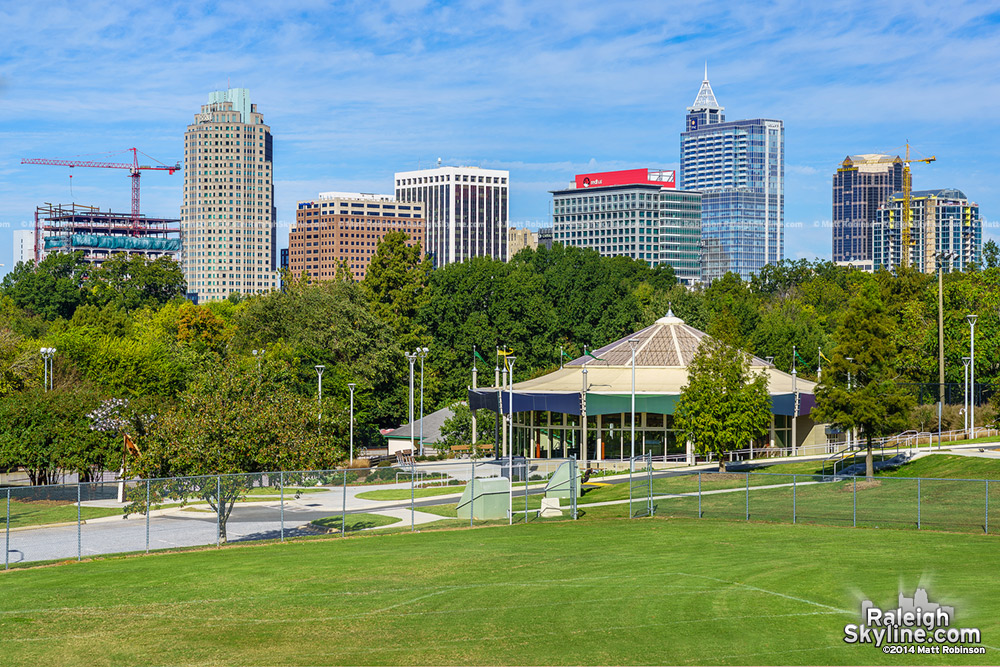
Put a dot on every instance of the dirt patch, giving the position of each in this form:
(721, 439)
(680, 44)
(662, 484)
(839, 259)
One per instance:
(723, 476)
(862, 485)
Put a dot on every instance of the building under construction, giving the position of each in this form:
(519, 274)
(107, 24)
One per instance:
(101, 234)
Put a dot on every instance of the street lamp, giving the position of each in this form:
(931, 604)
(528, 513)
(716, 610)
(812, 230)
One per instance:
(965, 392)
(972, 372)
(319, 380)
(850, 432)
(633, 342)
(258, 355)
(510, 361)
(422, 351)
(47, 354)
(412, 358)
(350, 385)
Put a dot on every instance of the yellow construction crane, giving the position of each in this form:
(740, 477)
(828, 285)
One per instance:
(907, 222)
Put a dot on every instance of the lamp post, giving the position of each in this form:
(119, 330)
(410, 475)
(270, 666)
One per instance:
(258, 355)
(350, 385)
(47, 354)
(633, 342)
(972, 373)
(510, 361)
(319, 381)
(850, 432)
(412, 358)
(965, 392)
(422, 352)
(941, 258)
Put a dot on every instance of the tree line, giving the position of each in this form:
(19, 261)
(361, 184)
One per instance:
(134, 352)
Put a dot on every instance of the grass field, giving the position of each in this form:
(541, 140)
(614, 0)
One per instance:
(357, 521)
(648, 591)
(404, 494)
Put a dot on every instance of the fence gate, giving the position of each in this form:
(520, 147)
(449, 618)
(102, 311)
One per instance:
(640, 486)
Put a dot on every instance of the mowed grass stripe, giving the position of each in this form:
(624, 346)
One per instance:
(610, 591)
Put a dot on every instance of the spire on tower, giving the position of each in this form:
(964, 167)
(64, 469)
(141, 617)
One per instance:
(706, 98)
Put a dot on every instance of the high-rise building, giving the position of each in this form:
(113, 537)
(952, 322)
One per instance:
(637, 213)
(466, 209)
(228, 228)
(739, 168)
(24, 246)
(862, 184)
(545, 237)
(345, 228)
(521, 239)
(945, 227)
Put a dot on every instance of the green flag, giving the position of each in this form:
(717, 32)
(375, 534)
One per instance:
(566, 354)
(801, 360)
(478, 356)
(591, 354)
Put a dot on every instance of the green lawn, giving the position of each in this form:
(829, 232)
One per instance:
(45, 512)
(404, 494)
(359, 521)
(610, 591)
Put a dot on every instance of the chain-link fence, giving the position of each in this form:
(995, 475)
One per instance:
(961, 505)
(73, 521)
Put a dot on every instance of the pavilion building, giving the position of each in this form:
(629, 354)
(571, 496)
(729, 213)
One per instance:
(589, 401)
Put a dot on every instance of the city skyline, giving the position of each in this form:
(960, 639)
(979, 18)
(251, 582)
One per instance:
(356, 93)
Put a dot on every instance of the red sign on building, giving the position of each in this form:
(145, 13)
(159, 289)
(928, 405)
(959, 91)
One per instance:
(663, 178)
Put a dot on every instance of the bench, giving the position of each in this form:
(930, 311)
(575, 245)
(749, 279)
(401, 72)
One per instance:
(460, 449)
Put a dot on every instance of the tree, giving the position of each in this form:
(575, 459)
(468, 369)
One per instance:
(991, 255)
(235, 421)
(457, 429)
(53, 288)
(131, 282)
(723, 406)
(396, 283)
(875, 404)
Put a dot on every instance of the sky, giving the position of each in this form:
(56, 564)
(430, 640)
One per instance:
(355, 91)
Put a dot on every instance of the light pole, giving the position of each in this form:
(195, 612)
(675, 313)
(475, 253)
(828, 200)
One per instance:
(412, 358)
(258, 355)
(850, 432)
(510, 361)
(633, 342)
(941, 258)
(965, 392)
(422, 351)
(972, 373)
(319, 381)
(350, 385)
(47, 354)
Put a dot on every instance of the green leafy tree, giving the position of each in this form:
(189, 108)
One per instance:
(875, 404)
(237, 420)
(396, 283)
(457, 429)
(991, 255)
(53, 288)
(724, 405)
(130, 282)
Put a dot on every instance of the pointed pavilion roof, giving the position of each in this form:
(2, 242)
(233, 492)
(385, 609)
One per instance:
(706, 98)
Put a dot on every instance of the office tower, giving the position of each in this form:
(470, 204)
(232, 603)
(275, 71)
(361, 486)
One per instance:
(861, 185)
(637, 213)
(521, 239)
(466, 209)
(945, 228)
(345, 228)
(545, 237)
(24, 246)
(228, 217)
(739, 168)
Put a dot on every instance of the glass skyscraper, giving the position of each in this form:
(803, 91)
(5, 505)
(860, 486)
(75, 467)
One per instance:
(739, 169)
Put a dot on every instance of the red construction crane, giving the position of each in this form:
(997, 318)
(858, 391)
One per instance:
(135, 171)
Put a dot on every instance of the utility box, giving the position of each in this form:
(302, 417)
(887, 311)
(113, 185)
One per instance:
(492, 499)
(559, 484)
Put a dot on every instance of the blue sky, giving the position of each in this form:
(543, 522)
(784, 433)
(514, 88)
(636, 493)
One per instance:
(354, 91)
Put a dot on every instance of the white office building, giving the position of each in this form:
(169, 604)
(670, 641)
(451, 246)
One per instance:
(24, 245)
(466, 209)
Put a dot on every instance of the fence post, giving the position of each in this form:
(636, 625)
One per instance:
(343, 516)
(649, 479)
(855, 519)
(147, 516)
(793, 498)
(987, 525)
(572, 486)
(218, 510)
(472, 494)
(413, 494)
(6, 552)
(699, 494)
(79, 538)
(526, 489)
(281, 485)
(918, 503)
(748, 496)
(631, 467)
